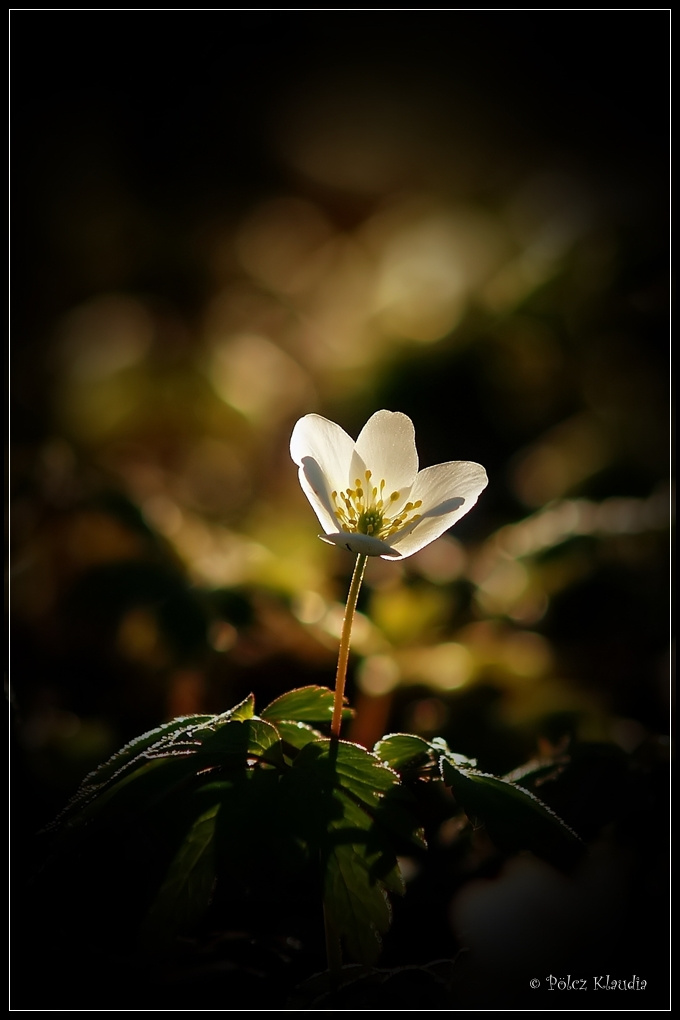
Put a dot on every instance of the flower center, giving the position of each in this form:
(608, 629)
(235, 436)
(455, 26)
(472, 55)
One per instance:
(364, 509)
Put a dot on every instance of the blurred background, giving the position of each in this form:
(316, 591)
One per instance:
(225, 220)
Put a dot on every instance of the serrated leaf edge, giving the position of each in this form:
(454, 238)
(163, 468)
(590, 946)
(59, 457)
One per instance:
(514, 786)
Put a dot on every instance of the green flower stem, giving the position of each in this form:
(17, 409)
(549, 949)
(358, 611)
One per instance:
(333, 948)
(343, 654)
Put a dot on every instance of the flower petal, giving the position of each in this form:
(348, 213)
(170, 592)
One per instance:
(447, 492)
(323, 452)
(387, 446)
(329, 445)
(358, 543)
(315, 487)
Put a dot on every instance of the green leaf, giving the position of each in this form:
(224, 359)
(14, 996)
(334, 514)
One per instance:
(414, 757)
(406, 753)
(244, 710)
(514, 818)
(535, 772)
(304, 704)
(208, 797)
(153, 767)
(458, 760)
(121, 802)
(358, 907)
(259, 843)
(188, 886)
(132, 754)
(242, 739)
(182, 736)
(349, 808)
(297, 734)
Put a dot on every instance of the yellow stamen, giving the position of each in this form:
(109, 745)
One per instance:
(363, 509)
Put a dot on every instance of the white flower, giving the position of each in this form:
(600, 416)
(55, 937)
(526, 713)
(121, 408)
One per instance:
(370, 496)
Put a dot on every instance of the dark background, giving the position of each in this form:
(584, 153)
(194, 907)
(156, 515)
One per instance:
(185, 182)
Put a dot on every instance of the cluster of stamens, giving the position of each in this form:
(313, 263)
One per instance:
(364, 509)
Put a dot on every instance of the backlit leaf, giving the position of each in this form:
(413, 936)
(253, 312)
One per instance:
(514, 818)
(405, 751)
(413, 756)
(182, 736)
(304, 704)
(350, 806)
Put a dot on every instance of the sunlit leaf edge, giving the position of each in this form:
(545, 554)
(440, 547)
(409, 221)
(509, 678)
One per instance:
(178, 736)
(522, 796)
(408, 753)
(311, 704)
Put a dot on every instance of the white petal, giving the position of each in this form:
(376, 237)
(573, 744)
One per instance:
(323, 452)
(387, 446)
(358, 543)
(315, 488)
(329, 445)
(447, 492)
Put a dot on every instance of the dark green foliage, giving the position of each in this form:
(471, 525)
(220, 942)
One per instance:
(304, 704)
(241, 827)
(514, 818)
(237, 802)
(414, 756)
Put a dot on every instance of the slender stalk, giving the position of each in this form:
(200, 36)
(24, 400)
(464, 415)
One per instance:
(343, 654)
(333, 948)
